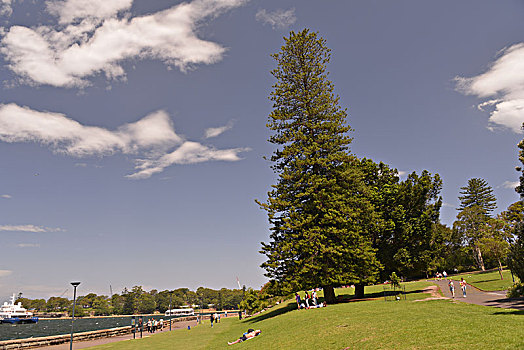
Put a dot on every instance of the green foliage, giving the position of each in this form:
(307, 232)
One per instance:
(318, 208)
(520, 188)
(117, 304)
(516, 252)
(80, 310)
(405, 226)
(252, 302)
(101, 306)
(469, 229)
(495, 241)
(516, 291)
(58, 304)
(395, 280)
(478, 193)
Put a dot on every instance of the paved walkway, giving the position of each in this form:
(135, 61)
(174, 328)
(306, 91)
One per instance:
(90, 343)
(476, 296)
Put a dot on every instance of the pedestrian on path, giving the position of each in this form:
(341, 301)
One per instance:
(451, 288)
(212, 318)
(463, 287)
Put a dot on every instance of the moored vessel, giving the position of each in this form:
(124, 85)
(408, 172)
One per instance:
(14, 313)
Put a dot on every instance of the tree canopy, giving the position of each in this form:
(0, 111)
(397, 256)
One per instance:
(478, 193)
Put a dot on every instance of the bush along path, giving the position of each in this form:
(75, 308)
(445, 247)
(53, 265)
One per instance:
(479, 297)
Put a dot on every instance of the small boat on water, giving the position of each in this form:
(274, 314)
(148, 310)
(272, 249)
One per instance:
(14, 313)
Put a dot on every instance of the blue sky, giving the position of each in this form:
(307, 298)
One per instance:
(132, 133)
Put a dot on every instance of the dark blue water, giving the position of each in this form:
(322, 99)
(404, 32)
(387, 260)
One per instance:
(63, 326)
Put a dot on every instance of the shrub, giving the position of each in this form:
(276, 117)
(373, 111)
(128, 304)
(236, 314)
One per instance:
(517, 290)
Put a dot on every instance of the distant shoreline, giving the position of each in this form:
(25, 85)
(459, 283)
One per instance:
(205, 311)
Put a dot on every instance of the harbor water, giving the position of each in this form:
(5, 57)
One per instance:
(50, 327)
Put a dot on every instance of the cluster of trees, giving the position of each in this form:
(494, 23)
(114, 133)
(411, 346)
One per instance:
(479, 239)
(138, 301)
(336, 219)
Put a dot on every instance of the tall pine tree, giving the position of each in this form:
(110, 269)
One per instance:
(318, 209)
(478, 193)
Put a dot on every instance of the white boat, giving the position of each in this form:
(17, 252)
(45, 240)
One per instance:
(180, 312)
(14, 313)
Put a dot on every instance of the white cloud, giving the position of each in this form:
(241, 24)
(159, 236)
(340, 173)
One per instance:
(153, 139)
(401, 173)
(5, 7)
(188, 153)
(214, 132)
(28, 228)
(28, 245)
(277, 19)
(69, 10)
(5, 273)
(510, 184)
(503, 82)
(64, 135)
(92, 39)
(5, 196)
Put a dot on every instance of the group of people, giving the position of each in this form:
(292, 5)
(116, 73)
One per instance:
(153, 325)
(310, 300)
(463, 285)
(439, 276)
(214, 318)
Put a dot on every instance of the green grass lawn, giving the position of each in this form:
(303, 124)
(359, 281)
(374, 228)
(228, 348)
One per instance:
(376, 324)
(488, 281)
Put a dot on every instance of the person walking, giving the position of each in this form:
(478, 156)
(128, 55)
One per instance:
(212, 318)
(463, 287)
(297, 298)
(451, 288)
(155, 325)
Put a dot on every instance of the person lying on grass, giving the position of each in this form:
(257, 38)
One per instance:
(251, 333)
(323, 304)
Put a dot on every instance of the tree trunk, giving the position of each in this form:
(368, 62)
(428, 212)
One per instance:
(478, 258)
(329, 294)
(359, 291)
(500, 269)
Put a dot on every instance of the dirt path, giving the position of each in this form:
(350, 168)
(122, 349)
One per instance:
(90, 343)
(476, 296)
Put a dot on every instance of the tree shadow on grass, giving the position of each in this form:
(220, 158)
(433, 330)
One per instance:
(345, 298)
(272, 313)
(513, 312)
(483, 281)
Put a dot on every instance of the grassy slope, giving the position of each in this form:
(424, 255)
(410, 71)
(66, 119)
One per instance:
(439, 324)
(488, 281)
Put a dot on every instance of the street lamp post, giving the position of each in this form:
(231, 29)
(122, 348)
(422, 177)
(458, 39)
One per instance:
(74, 284)
(201, 309)
(170, 312)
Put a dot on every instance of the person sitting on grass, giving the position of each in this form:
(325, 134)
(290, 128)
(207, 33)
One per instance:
(251, 333)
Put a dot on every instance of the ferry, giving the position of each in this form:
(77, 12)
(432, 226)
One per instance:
(14, 313)
(180, 312)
